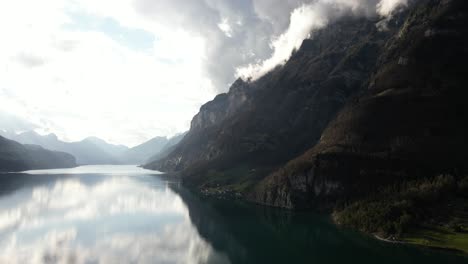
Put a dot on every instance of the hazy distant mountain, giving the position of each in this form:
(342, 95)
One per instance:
(89, 151)
(141, 153)
(168, 148)
(94, 151)
(113, 150)
(17, 157)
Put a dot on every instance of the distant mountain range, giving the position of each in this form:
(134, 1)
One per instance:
(139, 154)
(95, 151)
(89, 151)
(18, 157)
(150, 150)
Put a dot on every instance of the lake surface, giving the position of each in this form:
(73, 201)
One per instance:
(124, 214)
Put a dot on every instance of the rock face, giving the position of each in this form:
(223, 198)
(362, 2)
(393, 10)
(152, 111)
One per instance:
(409, 123)
(355, 110)
(258, 126)
(17, 157)
(168, 148)
(222, 107)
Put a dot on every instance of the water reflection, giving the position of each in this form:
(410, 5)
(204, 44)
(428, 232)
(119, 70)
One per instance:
(129, 215)
(254, 234)
(98, 218)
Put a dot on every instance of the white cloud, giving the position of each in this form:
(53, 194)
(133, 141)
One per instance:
(308, 18)
(303, 20)
(225, 27)
(82, 83)
(386, 7)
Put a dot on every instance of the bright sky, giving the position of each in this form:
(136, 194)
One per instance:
(76, 72)
(129, 70)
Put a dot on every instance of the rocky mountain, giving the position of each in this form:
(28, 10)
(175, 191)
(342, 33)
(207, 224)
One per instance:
(90, 151)
(167, 149)
(258, 126)
(366, 120)
(402, 140)
(17, 157)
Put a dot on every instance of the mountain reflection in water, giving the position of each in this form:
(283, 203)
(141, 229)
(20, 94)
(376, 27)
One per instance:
(123, 214)
(97, 218)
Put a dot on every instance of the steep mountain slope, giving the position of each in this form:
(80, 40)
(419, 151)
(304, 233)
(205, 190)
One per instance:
(167, 149)
(410, 120)
(17, 157)
(375, 122)
(241, 136)
(90, 151)
(395, 156)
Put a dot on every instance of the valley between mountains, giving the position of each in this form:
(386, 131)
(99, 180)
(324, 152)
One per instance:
(365, 122)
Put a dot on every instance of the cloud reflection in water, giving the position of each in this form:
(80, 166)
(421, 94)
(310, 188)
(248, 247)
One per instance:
(116, 220)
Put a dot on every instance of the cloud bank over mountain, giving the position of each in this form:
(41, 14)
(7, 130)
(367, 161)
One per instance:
(129, 70)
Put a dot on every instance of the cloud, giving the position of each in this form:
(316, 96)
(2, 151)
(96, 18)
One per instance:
(239, 34)
(129, 70)
(10, 123)
(387, 7)
(92, 84)
(308, 18)
(30, 60)
(303, 20)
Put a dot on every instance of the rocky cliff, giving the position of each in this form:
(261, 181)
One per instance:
(408, 122)
(366, 120)
(259, 125)
(394, 159)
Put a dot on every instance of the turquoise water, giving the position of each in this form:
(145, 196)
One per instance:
(124, 214)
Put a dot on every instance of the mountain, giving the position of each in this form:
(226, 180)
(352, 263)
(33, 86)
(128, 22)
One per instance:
(141, 153)
(396, 153)
(90, 151)
(367, 121)
(152, 150)
(17, 157)
(258, 126)
(167, 149)
(111, 149)
(95, 151)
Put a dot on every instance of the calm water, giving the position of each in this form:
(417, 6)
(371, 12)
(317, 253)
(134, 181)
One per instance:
(123, 214)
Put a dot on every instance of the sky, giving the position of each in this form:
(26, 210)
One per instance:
(129, 70)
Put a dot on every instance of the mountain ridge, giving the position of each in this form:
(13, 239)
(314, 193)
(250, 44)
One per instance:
(17, 157)
(86, 151)
(364, 123)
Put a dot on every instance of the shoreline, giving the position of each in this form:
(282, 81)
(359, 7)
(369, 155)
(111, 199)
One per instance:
(376, 236)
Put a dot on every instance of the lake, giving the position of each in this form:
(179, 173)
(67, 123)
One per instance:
(125, 214)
